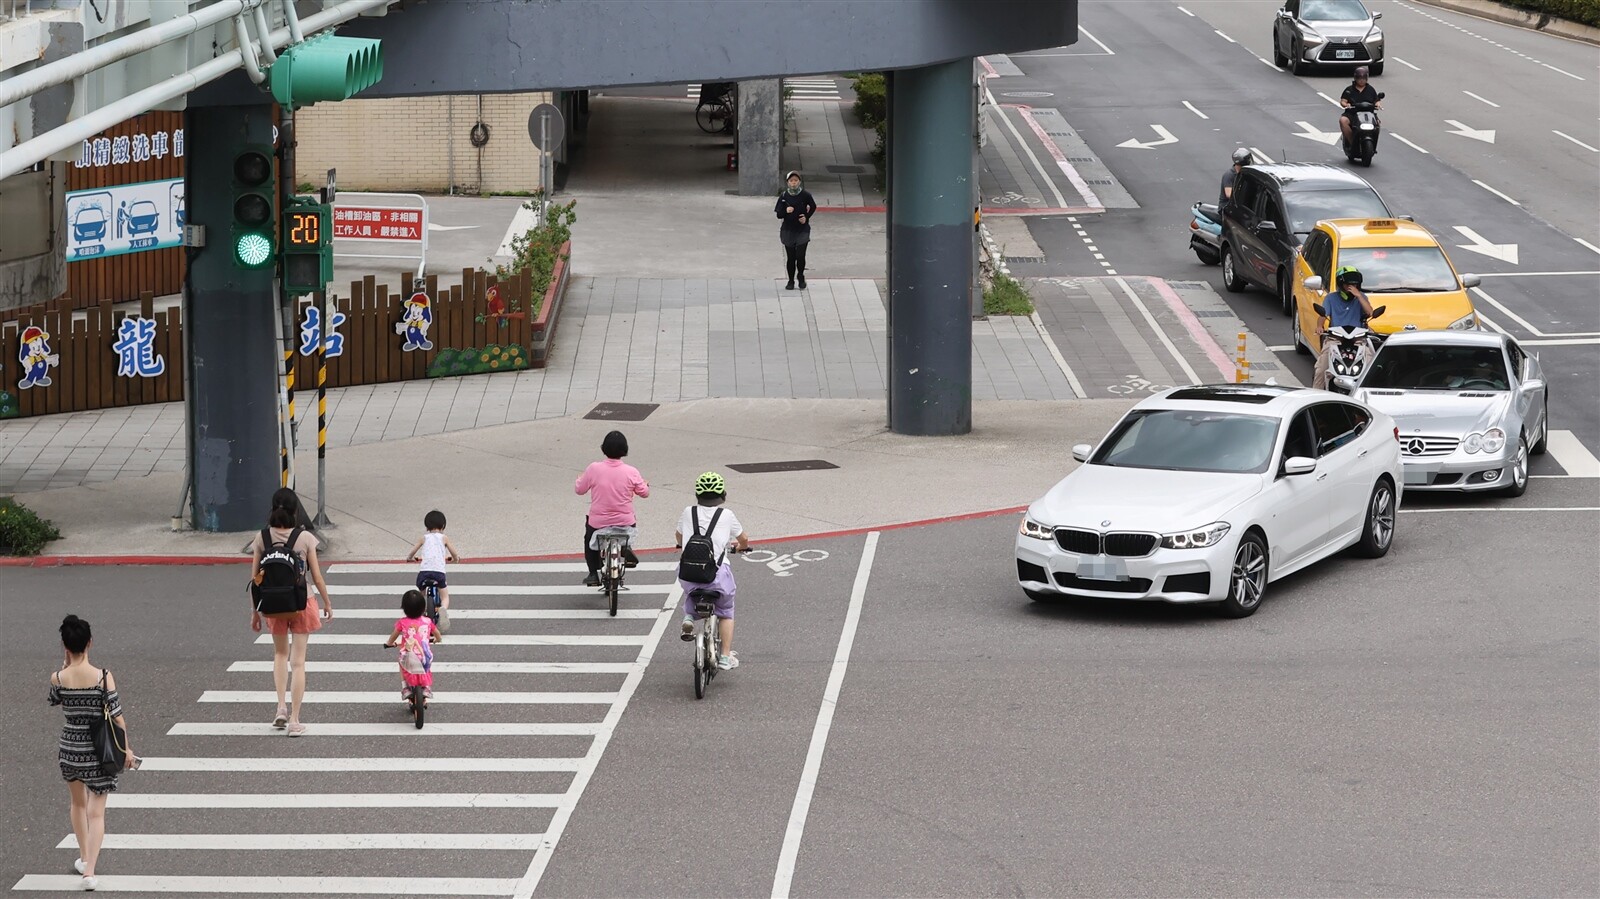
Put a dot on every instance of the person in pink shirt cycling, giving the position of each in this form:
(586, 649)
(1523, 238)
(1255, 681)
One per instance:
(611, 485)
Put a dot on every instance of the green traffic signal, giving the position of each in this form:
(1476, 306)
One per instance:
(255, 185)
(325, 67)
(252, 250)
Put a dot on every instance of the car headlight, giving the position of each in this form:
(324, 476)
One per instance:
(1210, 535)
(1312, 37)
(1494, 440)
(1034, 529)
(1375, 34)
(1473, 443)
(1468, 322)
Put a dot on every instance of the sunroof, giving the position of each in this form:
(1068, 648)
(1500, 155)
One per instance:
(1227, 393)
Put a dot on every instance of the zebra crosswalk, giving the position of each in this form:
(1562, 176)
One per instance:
(825, 89)
(529, 685)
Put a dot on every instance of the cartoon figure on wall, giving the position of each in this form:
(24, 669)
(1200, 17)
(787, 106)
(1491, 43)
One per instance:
(36, 358)
(414, 323)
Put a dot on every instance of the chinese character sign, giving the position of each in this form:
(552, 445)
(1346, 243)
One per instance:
(378, 223)
(126, 218)
(36, 358)
(98, 152)
(135, 347)
(414, 322)
(311, 331)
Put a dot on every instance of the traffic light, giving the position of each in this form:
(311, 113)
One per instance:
(325, 67)
(255, 190)
(307, 246)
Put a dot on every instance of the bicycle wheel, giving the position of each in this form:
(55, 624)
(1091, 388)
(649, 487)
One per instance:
(418, 706)
(730, 120)
(611, 593)
(707, 117)
(699, 668)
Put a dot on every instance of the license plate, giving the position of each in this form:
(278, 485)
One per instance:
(1344, 54)
(1102, 568)
(1418, 477)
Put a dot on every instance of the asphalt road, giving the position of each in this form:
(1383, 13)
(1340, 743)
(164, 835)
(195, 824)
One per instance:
(1419, 725)
(1150, 62)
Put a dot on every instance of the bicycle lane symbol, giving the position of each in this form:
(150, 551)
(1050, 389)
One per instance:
(783, 565)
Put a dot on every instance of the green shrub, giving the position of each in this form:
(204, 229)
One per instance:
(872, 108)
(8, 405)
(1586, 12)
(1006, 296)
(538, 248)
(22, 532)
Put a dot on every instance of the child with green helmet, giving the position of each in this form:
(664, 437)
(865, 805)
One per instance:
(707, 518)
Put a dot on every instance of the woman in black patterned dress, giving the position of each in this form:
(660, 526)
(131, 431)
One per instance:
(76, 688)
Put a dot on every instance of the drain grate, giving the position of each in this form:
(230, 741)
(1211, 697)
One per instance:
(769, 467)
(1212, 313)
(1264, 366)
(1097, 181)
(622, 411)
(1024, 258)
(1073, 158)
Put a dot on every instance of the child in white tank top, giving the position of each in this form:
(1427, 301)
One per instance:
(435, 549)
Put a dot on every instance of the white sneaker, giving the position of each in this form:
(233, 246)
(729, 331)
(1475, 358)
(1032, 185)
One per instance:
(77, 865)
(90, 884)
(728, 662)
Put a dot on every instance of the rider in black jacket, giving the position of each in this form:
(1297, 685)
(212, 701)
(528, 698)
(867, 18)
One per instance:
(1359, 91)
(795, 206)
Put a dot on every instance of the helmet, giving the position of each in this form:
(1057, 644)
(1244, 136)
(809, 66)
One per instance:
(1361, 73)
(1242, 156)
(710, 482)
(1347, 274)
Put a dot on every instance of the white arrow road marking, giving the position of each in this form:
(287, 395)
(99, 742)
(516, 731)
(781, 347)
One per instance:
(1164, 135)
(1487, 136)
(1310, 132)
(433, 226)
(1505, 252)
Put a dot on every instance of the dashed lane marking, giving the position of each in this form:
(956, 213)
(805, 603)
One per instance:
(275, 842)
(278, 886)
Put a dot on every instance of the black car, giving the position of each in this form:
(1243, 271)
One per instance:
(1273, 209)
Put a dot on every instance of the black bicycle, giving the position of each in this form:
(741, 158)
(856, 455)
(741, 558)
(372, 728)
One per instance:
(716, 113)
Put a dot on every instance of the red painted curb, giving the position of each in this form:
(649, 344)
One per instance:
(86, 561)
(852, 209)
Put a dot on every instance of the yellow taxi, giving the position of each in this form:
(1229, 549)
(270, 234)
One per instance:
(1402, 267)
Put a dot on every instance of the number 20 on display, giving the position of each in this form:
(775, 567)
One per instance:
(305, 229)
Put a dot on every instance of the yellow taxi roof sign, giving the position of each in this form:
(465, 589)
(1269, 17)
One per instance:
(1382, 225)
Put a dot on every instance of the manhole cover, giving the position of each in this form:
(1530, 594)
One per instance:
(847, 169)
(622, 411)
(1031, 95)
(768, 467)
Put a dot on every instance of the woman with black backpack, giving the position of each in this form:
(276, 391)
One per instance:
(280, 548)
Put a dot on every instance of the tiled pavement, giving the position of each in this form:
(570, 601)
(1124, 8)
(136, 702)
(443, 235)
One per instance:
(621, 339)
(833, 152)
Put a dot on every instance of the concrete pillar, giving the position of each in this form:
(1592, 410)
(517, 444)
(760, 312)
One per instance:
(232, 360)
(33, 237)
(760, 137)
(930, 139)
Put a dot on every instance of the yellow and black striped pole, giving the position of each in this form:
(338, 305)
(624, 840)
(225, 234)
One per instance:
(1241, 376)
(324, 330)
(286, 452)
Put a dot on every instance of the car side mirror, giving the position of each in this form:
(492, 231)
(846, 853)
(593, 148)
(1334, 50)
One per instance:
(1380, 95)
(1470, 281)
(1532, 384)
(1298, 465)
(1313, 283)
(1406, 218)
(1376, 16)
(1317, 308)
(1268, 225)
(1377, 312)
(1081, 452)
(1345, 383)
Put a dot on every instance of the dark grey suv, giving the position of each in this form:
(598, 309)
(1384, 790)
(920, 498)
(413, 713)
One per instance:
(1271, 212)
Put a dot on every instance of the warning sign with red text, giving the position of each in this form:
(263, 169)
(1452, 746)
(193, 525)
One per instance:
(378, 223)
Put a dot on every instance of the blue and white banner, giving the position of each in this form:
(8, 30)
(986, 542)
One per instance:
(127, 218)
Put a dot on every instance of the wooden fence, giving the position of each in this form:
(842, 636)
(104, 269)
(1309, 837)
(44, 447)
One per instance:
(479, 325)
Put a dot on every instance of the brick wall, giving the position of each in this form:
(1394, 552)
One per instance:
(413, 143)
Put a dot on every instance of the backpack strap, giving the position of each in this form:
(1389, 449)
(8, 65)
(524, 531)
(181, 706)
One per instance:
(694, 516)
(711, 526)
(294, 537)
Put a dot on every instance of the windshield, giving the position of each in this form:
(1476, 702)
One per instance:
(1421, 367)
(1332, 11)
(1307, 207)
(1400, 269)
(1190, 440)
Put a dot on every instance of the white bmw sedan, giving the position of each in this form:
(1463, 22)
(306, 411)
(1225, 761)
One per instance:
(1209, 493)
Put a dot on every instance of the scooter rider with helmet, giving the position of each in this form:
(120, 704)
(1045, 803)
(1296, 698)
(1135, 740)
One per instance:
(1241, 158)
(1346, 307)
(1359, 91)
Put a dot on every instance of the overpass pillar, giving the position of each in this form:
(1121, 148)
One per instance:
(232, 358)
(760, 137)
(930, 135)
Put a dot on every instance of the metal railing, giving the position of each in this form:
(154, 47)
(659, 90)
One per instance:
(16, 9)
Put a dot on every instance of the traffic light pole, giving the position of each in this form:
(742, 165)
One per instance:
(286, 300)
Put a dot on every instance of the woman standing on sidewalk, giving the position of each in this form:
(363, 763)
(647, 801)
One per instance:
(281, 523)
(795, 207)
(85, 693)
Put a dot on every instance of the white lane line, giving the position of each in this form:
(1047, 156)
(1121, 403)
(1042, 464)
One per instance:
(314, 666)
(783, 878)
(485, 567)
(392, 697)
(1495, 192)
(1574, 341)
(393, 729)
(352, 763)
(334, 800)
(1587, 244)
(511, 614)
(1562, 71)
(1458, 509)
(1281, 348)
(1185, 103)
(1403, 141)
(1556, 133)
(1534, 274)
(1061, 201)
(1406, 64)
(525, 219)
(1484, 295)
(591, 760)
(1055, 353)
(267, 842)
(1491, 324)
(1269, 63)
(1186, 12)
(1166, 341)
(1328, 98)
(501, 589)
(1468, 93)
(376, 640)
(217, 885)
(1060, 157)
(1225, 37)
(1085, 32)
(1260, 156)
(1573, 457)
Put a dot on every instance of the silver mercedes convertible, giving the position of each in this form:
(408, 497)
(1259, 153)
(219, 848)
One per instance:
(1469, 406)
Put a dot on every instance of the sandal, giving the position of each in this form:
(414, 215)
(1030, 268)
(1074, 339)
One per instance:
(282, 718)
(296, 729)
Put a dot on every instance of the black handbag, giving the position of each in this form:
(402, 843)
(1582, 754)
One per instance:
(110, 741)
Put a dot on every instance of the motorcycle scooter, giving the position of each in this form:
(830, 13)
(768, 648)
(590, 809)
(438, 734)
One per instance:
(1365, 129)
(1349, 360)
(1205, 232)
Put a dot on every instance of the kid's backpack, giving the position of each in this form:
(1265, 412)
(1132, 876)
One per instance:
(699, 562)
(279, 586)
